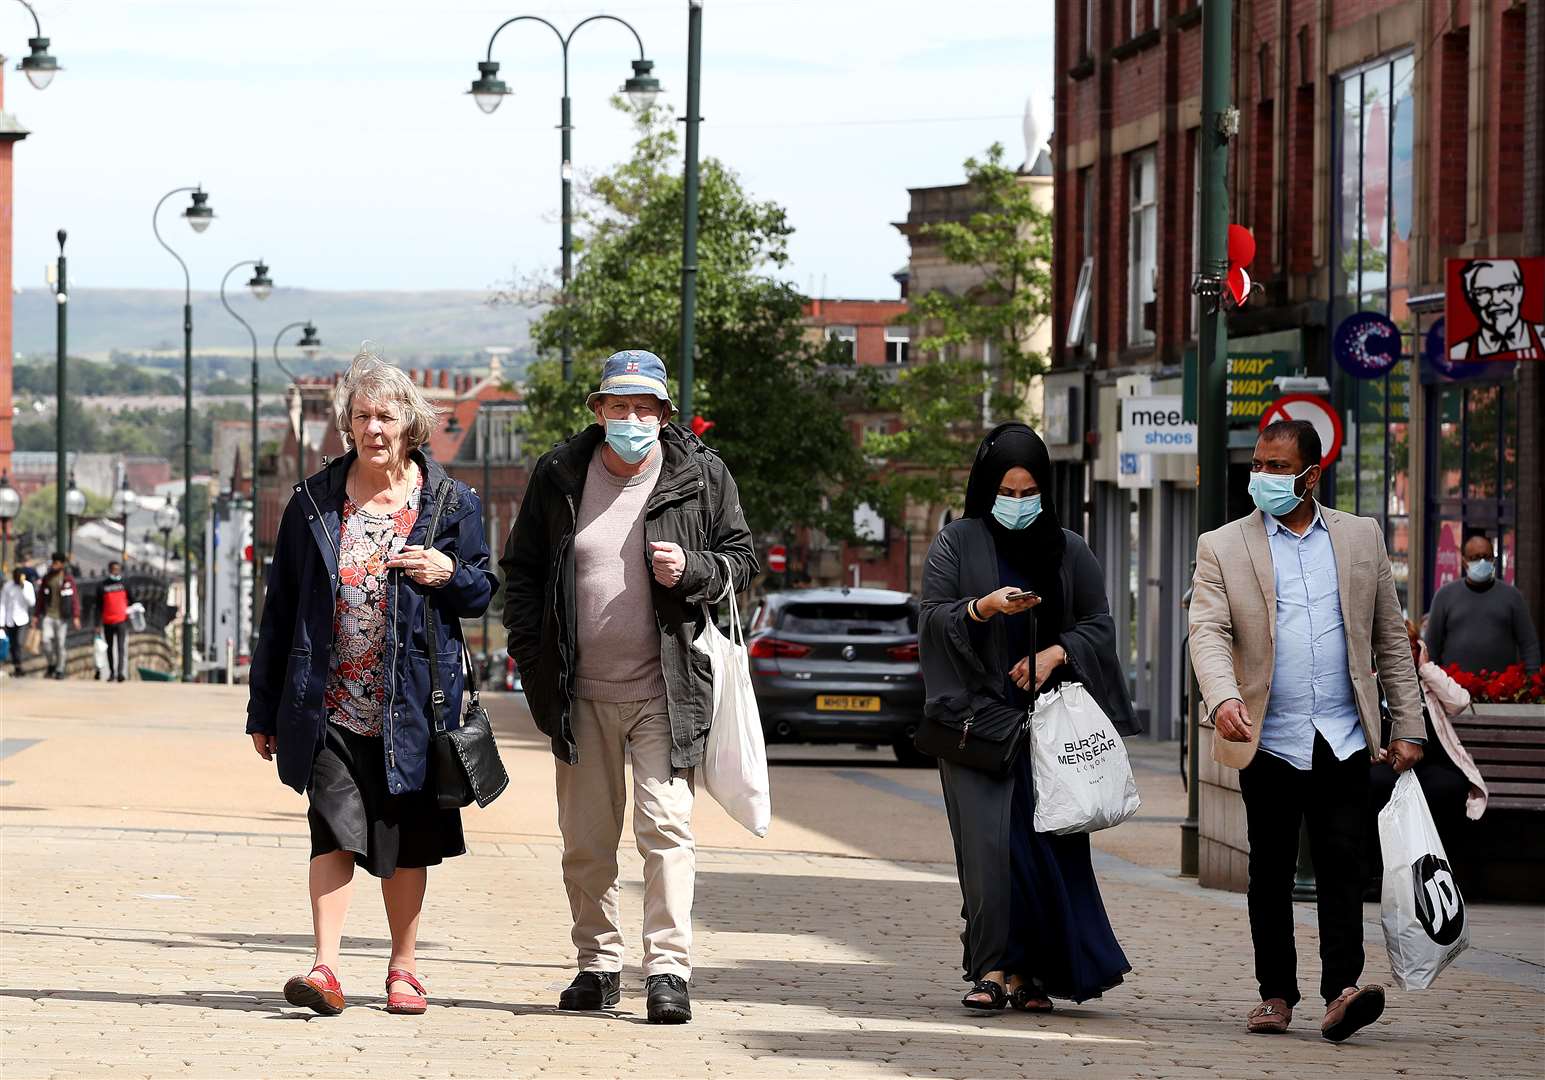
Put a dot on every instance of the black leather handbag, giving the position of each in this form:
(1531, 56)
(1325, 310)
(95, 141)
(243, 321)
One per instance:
(976, 731)
(464, 765)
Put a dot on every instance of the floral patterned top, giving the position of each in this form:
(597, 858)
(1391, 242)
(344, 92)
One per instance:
(356, 672)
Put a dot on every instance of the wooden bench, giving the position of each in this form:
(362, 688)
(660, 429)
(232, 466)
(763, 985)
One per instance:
(1506, 858)
(1510, 752)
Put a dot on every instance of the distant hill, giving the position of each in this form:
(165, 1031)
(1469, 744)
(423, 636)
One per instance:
(406, 326)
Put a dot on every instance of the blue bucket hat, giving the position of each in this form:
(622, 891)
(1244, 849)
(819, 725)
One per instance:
(632, 371)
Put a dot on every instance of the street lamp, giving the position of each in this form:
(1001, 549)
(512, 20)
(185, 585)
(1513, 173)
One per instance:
(166, 521)
(40, 68)
(124, 502)
(10, 506)
(309, 344)
(262, 286)
(74, 508)
(488, 90)
(198, 215)
(61, 393)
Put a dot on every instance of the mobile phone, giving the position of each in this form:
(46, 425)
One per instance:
(1027, 594)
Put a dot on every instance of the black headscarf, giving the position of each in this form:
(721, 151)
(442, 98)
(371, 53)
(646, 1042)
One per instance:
(1036, 550)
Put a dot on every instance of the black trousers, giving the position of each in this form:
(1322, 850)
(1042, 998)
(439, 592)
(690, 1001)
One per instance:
(1332, 797)
(117, 635)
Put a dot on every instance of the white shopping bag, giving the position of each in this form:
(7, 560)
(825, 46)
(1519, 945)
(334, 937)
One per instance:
(136, 613)
(735, 760)
(1424, 916)
(1083, 781)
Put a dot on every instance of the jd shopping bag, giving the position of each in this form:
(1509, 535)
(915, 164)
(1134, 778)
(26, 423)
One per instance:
(735, 759)
(1423, 913)
(1083, 781)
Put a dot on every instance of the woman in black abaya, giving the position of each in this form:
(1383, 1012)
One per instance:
(1036, 927)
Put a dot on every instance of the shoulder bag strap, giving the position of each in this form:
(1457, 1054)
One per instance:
(432, 621)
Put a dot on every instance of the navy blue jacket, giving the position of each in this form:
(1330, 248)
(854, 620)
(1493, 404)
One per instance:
(289, 668)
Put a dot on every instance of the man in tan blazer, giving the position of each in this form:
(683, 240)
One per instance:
(1293, 608)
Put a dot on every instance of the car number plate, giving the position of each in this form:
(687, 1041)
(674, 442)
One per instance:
(846, 703)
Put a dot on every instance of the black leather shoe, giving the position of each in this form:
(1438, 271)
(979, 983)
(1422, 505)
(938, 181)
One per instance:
(668, 999)
(591, 990)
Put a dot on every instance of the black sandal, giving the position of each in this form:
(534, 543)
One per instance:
(995, 992)
(1027, 998)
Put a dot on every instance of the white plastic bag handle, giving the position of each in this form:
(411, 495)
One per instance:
(737, 635)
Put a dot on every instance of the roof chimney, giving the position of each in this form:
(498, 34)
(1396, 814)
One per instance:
(445, 378)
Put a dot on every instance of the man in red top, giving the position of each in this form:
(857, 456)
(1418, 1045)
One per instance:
(58, 611)
(113, 601)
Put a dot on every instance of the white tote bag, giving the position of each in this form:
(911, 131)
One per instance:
(1083, 781)
(1423, 914)
(735, 759)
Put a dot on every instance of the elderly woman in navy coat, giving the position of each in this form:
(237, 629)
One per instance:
(340, 679)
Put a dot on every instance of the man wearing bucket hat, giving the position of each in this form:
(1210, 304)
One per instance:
(627, 532)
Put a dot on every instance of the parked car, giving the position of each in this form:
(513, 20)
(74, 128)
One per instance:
(838, 665)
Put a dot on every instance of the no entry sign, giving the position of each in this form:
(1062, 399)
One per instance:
(1318, 412)
(777, 558)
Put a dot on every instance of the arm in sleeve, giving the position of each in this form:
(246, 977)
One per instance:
(1392, 652)
(944, 626)
(1523, 633)
(30, 595)
(729, 536)
(276, 633)
(525, 564)
(472, 581)
(1211, 632)
(75, 600)
(1450, 696)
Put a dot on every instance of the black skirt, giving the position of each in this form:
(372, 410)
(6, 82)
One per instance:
(352, 810)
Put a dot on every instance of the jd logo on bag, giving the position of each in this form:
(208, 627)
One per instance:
(1439, 906)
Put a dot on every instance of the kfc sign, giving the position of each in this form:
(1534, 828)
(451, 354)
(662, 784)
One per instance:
(1494, 310)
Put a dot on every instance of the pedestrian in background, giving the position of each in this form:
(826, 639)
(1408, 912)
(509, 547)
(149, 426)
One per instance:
(1292, 608)
(17, 598)
(58, 612)
(113, 600)
(1036, 926)
(1479, 622)
(360, 601)
(624, 538)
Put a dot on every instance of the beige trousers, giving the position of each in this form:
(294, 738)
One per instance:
(592, 797)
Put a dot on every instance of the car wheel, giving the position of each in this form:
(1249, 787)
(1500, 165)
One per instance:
(910, 756)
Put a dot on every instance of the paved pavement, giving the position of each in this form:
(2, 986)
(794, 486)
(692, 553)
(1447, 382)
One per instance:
(152, 902)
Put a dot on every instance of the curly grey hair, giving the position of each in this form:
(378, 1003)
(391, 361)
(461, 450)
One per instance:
(374, 378)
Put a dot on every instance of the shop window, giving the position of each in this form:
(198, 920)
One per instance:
(1142, 244)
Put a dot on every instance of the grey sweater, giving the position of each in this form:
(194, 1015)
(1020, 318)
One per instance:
(1481, 629)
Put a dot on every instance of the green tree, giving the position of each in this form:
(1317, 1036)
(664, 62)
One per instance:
(38, 511)
(779, 408)
(1006, 242)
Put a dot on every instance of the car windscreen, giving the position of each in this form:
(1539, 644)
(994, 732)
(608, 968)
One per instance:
(849, 619)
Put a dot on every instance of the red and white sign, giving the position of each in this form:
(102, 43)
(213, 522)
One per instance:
(777, 558)
(1318, 412)
(1494, 310)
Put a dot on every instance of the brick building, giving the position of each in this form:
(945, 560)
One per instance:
(1377, 138)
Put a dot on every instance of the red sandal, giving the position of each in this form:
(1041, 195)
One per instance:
(405, 1004)
(317, 990)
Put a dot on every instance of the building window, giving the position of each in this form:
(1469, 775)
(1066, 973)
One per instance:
(498, 433)
(847, 336)
(1142, 244)
(898, 344)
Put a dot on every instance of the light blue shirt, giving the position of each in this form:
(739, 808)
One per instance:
(1311, 685)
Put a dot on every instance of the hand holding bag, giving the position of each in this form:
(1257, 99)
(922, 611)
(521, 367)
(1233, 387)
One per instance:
(464, 765)
(1423, 914)
(735, 758)
(1083, 780)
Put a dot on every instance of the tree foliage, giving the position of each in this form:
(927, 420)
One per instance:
(1006, 242)
(777, 404)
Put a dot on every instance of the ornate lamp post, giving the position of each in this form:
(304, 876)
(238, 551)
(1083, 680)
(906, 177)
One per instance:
(10, 506)
(74, 508)
(262, 286)
(166, 521)
(124, 502)
(199, 214)
(309, 344)
(40, 68)
(488, 90)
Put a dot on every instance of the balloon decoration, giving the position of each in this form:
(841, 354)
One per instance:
(1241, 250)
(701, 427)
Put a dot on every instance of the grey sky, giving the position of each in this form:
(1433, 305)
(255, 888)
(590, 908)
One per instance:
(336, 140)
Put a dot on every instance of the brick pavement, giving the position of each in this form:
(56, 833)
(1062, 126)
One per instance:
(152, 902)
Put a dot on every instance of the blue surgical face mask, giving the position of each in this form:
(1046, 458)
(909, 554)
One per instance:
(631, 440)
(1016, 513)
(1275, 493)
(1481, 571)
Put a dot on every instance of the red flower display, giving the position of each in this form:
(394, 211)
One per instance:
(1512, 685)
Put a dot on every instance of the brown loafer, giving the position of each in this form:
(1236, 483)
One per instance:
(1270, 1017)
(317, 990)
(1352, 1010)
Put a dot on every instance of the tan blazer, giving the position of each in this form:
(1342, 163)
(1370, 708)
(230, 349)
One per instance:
(1234, 625)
